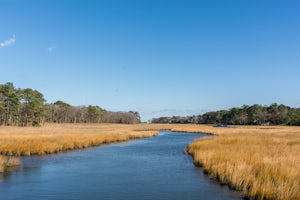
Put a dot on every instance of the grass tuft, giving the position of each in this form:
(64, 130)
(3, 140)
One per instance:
(8, 161)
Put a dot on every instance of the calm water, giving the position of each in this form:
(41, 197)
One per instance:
(153, 168)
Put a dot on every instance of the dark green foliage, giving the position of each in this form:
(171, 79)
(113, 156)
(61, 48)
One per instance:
(32, 107)
(27, 107)
(246, 115)
(9, 105)
(94, 114)
(62, 104)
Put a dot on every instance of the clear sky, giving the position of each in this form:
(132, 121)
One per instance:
(158, 57)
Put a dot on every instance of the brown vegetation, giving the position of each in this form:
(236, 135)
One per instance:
(53, 138)
(262, 162)
(8, 161)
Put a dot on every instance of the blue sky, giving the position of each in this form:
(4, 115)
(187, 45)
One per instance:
(158, 57)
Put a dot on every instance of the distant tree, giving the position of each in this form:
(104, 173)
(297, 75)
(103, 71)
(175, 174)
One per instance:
(137, 116)
(119, 117)
(255, 115)
(32, 107)
(164, 120)
(94, 114)
(81, 113)
(283, 117)
(246, 115)
(26, 107)
(60, 111)
(294, 115)
(274, 113)
(9, 105)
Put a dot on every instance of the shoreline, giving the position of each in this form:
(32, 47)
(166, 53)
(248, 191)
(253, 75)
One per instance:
(260, 162)
(53, 138)
(7, 162)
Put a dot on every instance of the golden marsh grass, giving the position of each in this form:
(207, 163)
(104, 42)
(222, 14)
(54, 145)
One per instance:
(262, 162)
(53, 138)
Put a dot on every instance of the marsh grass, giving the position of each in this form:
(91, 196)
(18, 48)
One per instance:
(8, 161)
(263, 163)
(54, 138)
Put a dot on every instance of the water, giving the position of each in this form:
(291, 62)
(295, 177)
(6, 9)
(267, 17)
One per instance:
(152, 168)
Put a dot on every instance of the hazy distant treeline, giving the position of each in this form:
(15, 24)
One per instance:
(27, 107)
(246, 115)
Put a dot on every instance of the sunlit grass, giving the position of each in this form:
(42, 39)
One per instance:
(262, 162)
(53, 138)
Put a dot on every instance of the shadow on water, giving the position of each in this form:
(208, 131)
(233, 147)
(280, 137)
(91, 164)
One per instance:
(152, 168)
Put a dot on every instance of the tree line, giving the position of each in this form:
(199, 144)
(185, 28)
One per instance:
(28, 107)
(246, 115)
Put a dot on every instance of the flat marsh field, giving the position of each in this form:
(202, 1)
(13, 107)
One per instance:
(261, 161)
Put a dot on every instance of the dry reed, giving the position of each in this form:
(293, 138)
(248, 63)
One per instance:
(53, 138)
(262, 162)
(8, 161)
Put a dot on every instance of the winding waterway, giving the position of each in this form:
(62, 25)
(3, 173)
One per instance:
(152, 168)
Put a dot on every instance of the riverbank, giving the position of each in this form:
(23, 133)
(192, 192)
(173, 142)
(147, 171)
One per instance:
(8, 161)
(54, 138)
(150, 168)
(262, 162)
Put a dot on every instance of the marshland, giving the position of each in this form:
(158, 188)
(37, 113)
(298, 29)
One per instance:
(151, 99)
(149, 168)
(261, 162)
